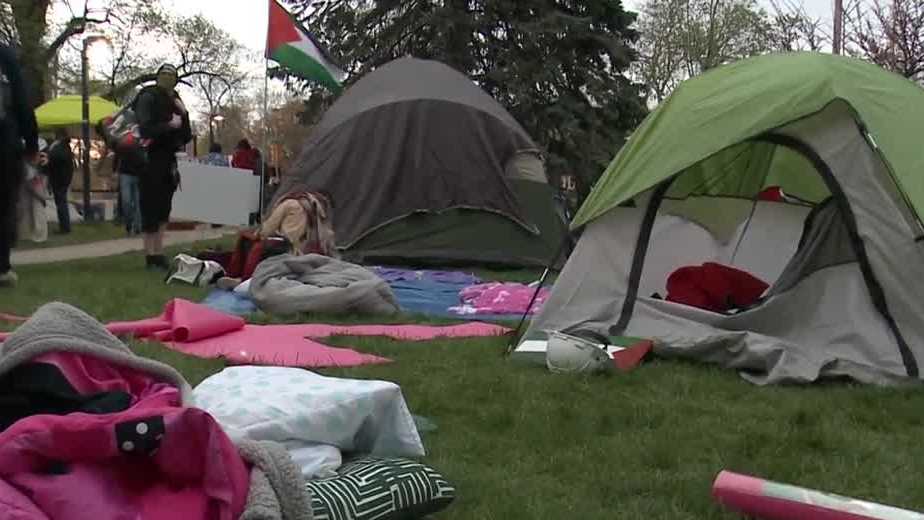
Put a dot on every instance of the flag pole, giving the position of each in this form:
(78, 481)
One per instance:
(266, 152)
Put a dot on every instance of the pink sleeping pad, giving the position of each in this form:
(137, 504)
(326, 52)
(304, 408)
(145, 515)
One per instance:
(203, 332)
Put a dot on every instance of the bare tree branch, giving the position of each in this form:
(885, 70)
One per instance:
(891, 36)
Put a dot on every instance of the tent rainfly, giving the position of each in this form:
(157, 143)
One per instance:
(845, 267)
(68, 111)
(423, 166)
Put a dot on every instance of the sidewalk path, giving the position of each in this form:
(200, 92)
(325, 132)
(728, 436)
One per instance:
(110, 247)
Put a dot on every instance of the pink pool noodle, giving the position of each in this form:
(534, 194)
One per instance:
(766, 500)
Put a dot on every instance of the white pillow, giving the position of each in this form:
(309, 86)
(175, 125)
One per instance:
(293, 405)
(315, 460)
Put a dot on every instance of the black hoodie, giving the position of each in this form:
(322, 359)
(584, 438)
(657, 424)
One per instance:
(18, 122)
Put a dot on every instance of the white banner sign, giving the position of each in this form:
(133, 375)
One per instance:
(216, 195)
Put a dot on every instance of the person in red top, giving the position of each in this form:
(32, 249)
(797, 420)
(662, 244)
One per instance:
(245, 156)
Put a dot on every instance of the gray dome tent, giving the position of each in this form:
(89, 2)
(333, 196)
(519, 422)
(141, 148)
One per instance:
(422, 165)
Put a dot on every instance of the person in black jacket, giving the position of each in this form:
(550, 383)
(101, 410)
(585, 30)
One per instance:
(60, 170)
(163, 118)
(18, 140)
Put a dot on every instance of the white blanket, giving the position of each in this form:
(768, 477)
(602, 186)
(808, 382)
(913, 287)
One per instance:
(307, 411)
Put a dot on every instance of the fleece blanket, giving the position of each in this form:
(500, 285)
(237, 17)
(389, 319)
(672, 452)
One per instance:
(288, 284)
(434, 293)
(397, 274)
(203, 332)
(499, 299)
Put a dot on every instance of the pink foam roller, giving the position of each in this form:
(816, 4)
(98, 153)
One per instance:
(766, 500)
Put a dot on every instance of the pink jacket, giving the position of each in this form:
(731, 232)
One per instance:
(153, 460)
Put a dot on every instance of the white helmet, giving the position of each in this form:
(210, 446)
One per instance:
(566, 353)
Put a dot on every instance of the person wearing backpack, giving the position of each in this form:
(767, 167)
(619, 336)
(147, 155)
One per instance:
(18, 140)
(164, 120)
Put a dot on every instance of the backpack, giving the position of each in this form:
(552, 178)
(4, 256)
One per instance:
(250, 250)
(121, 131)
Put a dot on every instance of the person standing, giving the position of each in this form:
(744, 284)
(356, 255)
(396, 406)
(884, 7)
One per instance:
(60, 170)
(129, 166)
(164, 120)
(215, 157)
(18, 140)
(245, 156)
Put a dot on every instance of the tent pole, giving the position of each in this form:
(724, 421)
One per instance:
(532, 301)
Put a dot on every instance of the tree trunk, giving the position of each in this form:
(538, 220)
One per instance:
(29, 16)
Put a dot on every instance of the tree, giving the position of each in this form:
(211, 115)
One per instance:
(559, 66)
(793, 29)
(892, 36)
(130, 37)
(208, 59)
(26, 23)
(7, 27)
(215, 91)
(683, 38)
(197, 47)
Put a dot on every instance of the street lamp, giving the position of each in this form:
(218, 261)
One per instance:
(85, 122)
(214, 123)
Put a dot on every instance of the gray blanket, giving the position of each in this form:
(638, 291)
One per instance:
(287, 284)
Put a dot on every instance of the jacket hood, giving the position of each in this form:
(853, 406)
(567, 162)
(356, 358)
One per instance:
(59, 327)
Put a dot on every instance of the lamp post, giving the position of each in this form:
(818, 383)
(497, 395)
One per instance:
(85, 120)
(215, 124)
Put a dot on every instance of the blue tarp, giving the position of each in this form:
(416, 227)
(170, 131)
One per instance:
(230, 302)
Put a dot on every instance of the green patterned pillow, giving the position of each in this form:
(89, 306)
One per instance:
(372, 488)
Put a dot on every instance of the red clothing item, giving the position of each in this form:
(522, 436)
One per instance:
(772, 194)
(714, 287)
(245, 159)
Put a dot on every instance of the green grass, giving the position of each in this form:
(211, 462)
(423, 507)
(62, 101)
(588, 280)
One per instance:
(519, 442)
(80, 234)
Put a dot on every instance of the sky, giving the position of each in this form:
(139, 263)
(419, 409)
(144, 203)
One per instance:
(815, 8)
(243, 19)
(246, 20)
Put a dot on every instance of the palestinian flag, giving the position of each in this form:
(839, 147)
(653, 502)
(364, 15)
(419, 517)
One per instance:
(290, 45)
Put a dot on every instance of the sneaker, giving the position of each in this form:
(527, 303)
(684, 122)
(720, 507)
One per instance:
(8, 279)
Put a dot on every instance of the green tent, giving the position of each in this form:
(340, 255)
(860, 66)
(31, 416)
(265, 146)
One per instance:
(704, 130)
(68, 111)
(840, 246)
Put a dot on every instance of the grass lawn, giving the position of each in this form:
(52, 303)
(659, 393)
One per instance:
(521, 443)
(80, 234)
